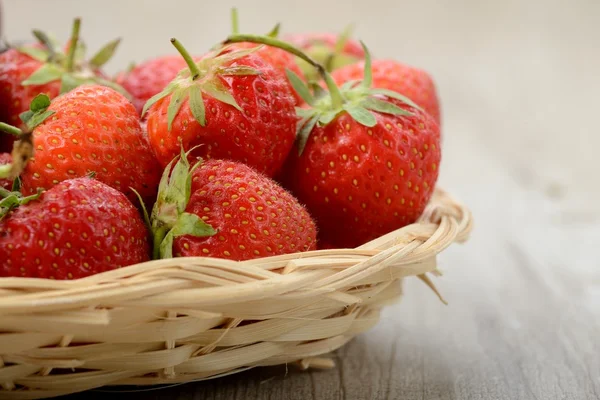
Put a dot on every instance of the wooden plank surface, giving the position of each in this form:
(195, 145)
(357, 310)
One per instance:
(519, 83)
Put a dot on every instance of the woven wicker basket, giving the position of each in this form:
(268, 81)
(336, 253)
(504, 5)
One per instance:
(188, 319)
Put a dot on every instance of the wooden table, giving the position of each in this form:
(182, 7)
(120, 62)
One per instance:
(520, 87)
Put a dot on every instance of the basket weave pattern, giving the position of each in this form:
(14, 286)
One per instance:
(187, 319)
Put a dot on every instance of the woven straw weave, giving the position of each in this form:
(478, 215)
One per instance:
(188, 319)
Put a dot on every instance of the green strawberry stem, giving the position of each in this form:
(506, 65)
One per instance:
(235, 25)
(159, 235)
(336, 96)
(73, 44)
(195, 71)
(11, 130)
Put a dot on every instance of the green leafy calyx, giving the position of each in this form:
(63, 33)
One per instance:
(37, 113)
(70, 67)
(169, 218)
(11, 200)
(202, 77)
(357, 98)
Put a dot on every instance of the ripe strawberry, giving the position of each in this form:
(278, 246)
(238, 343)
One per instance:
(367, 159)
(414, 83)
(92, 129)
(15, 97)
(5, 159)
(78, 228)
(331, 50)
(226, 209)
(233, 105)
(28, 71)
(149, 78)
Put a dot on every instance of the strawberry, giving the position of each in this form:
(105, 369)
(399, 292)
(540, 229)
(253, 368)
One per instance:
(328, 49)
(43, 68)
(412, 82)
(5, 159)
(225, 209)
(78, 228)
(150, 77)
(367, 159)
(95, 129)
(232, 104)
(15, 97)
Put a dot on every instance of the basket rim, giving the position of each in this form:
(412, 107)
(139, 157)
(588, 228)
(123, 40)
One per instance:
(413, 247)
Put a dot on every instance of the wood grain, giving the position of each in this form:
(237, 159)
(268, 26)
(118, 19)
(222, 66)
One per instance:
(519, 86)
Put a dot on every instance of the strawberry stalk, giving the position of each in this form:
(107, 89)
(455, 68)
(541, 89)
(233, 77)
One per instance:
(11, 130)
(357, 99)
(210, 69)
(235, 24)
(194, 70)
(336, 95)
(73, 44)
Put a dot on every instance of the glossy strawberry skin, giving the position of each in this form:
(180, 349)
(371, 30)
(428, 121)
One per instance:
(78, 228)
(5, 158)
(414, 83)
(254, 217)
(15, 98)
(95, 129)
(149, 78)
(261, 135)
(279, 59)
(360, 183)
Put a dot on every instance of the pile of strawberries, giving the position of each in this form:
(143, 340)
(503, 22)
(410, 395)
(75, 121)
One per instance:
(259, 147)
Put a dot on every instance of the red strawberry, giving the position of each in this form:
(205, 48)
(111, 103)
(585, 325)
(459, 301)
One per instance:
(16, 67)
(367, 159)
(231, 211)
(78, 228)
(93, 129)
(149, 78)
(414, 83)
(233, 105)
(5, 159)
(328, 49)
(28, 71)
(362, 182)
